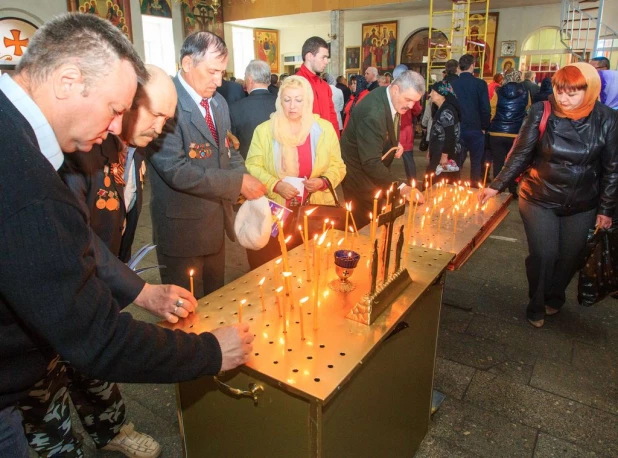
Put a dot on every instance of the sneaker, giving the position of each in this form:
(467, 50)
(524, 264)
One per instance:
(451, 166)
(134, 444)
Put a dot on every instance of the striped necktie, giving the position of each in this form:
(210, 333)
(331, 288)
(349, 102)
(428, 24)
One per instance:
(118, 168)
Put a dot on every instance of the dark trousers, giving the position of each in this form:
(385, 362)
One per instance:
(47, 414)
(555, 252)
(473, 141)
(409, 165)
(208, 275)
(12, 438)
(500, 148)
(272, 250)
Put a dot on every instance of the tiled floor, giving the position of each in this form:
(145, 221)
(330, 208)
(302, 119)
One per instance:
(512, 390)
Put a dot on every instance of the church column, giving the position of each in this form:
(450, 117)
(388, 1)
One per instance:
(336, 43)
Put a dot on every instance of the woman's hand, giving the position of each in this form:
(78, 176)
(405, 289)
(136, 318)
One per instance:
(313, 184)
(604, 222)
(485, 194)
(443, 159)
(286, 190)
(399, 151)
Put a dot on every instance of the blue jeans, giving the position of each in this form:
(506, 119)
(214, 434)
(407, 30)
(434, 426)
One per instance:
(13, 443)
(409, 165)
(474, 142)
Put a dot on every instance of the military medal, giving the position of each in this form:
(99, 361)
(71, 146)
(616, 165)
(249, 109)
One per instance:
(192, 154)
(101, 201)
(112, 203)
(106, 181)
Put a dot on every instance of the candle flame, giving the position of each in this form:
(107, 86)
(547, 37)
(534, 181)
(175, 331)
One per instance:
(303, 300)
(278, 261)
(348, 206)
(300, 228)
(286, 274)
(378, 194)
(191, 273)
(349, 254)
(326, 221)
(351, 229)
(441, 210)
(413, 183)
(262, 281)
(278, 290)
(370, 216)
(288, 238)
(315, 237)
(281, 340)
(322, 238)
(340, 241)
(243, 302)
(309, 212)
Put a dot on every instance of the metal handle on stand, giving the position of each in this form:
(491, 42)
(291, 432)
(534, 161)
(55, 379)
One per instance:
(254, 390)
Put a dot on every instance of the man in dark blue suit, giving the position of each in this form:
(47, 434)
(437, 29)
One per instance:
(231, 91)
(248, 113)
(473, 97)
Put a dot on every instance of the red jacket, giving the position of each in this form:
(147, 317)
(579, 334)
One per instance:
(322, 97)
(406, 128)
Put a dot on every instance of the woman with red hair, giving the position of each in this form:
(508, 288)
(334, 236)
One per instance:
(570, 183)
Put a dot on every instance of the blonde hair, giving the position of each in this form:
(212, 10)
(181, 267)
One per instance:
(282, 127)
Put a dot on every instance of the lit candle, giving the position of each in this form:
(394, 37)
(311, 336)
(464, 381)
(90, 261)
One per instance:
(282, 243)
(375, 215)
(408, 230)
(353, 220)
(422, 223)
(286, 283)
(332, 233)
(261, 283)
(300, 231)
(440, 219)
(324, 225)
(347, 217)
(278, 296)
(302, 321)
(486, 172)
(240, 310)
(191, 282)
(351, 229)
(431, 181)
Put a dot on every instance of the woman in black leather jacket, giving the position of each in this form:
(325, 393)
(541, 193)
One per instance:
(570, 182)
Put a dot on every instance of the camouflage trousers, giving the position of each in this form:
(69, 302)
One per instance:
(47, 415)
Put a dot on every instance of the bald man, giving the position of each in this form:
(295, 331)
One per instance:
(108, 183)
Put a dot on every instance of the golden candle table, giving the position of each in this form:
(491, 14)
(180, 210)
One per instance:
(348, 389)
(465, 224)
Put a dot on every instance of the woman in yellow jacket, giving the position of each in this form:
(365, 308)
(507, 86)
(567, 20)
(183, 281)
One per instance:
(294, 144)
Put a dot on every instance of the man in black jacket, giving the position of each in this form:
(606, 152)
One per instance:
(250, 112)
(273, 87)
(107, 182)
(231, 91)
(473, 98)
(53, 308)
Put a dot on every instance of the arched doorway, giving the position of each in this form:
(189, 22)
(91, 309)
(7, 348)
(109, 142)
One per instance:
(543, 53)
(414, 51)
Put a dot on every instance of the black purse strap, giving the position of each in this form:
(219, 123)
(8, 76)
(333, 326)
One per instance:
(330, 188)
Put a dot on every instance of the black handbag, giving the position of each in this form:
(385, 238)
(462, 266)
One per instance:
(315, 221)
(598, 277)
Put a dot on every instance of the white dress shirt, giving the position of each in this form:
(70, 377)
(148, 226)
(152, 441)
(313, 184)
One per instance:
(42, 130)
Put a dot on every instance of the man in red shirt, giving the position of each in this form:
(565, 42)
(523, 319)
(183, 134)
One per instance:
(315, 59)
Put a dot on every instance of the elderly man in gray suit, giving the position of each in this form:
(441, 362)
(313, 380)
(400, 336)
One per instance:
(196, 174)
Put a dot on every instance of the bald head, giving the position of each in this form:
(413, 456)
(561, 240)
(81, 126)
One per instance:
(371, 74)
(154, 104)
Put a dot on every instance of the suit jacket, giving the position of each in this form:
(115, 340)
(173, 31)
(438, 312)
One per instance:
(274, 90)
(250, 112)
(368, 135)
(84, 174)
(51, 301)
(192, 197)
(231, 91)
(373, 86)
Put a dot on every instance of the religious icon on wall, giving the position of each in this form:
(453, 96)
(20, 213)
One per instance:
(15, 35)
(379, 46)
(159, 8)
(482, 40)
(118, 12)
(416, 48)
(266, 44)
(197, 16)
(507, 64)
(352, 57)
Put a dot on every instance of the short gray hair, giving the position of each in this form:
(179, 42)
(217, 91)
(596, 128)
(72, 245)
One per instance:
(410, 80)
(90, 42)
(528, 75)
(258, 71)
(330, 79)
(198, 44)
(373, 70)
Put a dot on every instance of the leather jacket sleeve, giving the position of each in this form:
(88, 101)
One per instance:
(609, 174)
(523, 150)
